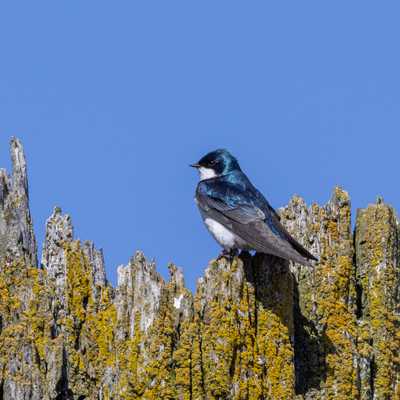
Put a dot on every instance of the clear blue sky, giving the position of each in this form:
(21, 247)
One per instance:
(113, 100)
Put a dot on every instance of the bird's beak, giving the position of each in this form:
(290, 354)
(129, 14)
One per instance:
(194, 165)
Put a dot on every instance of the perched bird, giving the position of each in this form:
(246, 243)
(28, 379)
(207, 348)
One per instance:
(238, 215)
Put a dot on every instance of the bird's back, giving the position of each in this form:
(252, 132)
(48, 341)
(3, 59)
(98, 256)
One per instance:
(237, 192)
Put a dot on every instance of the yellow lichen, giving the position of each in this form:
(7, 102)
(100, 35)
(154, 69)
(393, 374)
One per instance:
(239, 339)
(377, 243)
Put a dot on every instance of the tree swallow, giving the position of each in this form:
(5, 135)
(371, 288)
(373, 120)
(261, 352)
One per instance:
(237, 215)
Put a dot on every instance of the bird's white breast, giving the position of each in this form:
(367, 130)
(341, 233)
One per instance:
(224, 236)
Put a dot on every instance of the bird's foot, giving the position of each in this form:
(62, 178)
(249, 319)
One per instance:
(228, 254)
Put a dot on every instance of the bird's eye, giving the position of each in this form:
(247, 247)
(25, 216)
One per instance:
(213, 162)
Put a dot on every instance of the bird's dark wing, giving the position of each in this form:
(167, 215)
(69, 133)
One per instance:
(275, 221)
(242, 213)
(272, 219)
(260, 228)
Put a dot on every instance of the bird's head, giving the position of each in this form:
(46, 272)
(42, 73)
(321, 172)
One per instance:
(216, 163)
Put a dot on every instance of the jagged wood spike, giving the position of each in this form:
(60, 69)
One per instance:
(17, 239)
(256, 328)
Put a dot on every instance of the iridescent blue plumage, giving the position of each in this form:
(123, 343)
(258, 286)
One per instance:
(231, 205)
(235, 190)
